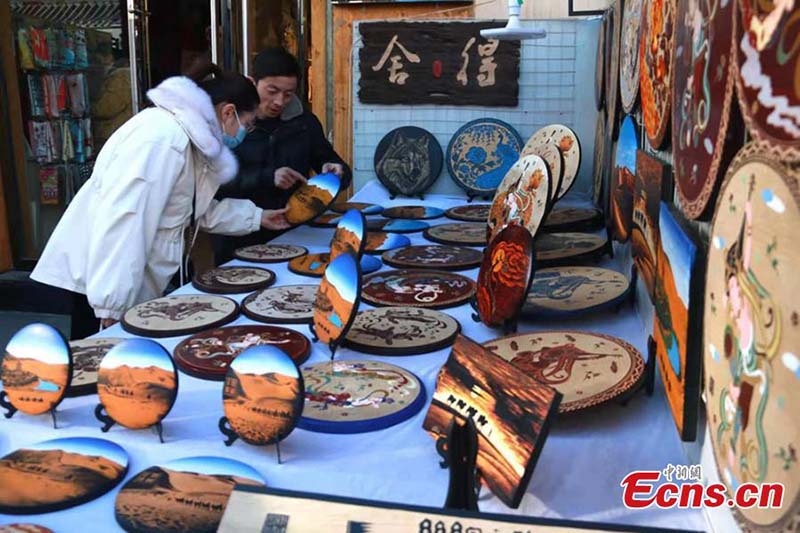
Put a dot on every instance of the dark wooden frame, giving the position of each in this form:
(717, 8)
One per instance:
(572, 12)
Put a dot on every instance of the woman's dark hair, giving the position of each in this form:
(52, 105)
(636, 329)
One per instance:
(275, 62)
(227, 87)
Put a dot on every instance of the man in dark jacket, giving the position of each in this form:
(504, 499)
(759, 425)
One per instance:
(284, 146)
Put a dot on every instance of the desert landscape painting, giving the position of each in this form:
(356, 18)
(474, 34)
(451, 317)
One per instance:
(337, 299)
(310, 264)
(380, 241)
(312, 199)
(623, 177)
(349, 235)
(646, 207)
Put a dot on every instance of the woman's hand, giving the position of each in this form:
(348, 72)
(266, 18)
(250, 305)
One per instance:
(274, 219)
(107, 322)
(335, 168)
(286, 177)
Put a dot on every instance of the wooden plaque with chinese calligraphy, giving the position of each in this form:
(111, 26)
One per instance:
(442, 63)
(655, 67)
(650, 175)
(408, 161)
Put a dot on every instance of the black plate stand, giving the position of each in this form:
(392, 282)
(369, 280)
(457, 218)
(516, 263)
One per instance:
(108, 422)
(225, 429)
(459, 451)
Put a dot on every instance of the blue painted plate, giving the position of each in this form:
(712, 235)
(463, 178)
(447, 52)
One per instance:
(397, 225)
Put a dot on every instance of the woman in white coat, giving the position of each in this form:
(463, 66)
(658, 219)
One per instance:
(121, 239)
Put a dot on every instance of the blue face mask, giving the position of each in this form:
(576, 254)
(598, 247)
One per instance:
(232, 141)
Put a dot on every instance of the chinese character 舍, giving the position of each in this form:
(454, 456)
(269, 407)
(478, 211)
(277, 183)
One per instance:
(488, 66)
(395, 75)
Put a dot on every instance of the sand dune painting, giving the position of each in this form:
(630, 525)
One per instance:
(185, 495)
(312, 198)
(59, 473)
(137, 383)
(337, 299)
(36, 369)
(379, 241)
(263, 395)
(623, 178)
(349, 235)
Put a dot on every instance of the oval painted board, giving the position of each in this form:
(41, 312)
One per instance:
(629, 55)
(269, 253)
(522, 197)
(413, 212)
(364, 207)
(417, 288)
(554, 161)
(312, 198)
(349, 235)
(563, 138)
(565, 219)
(587, 368)
(287, 304)
(558, 247)
(458, 233)
(469, 212)
(397, 225)
(381, 241)
(314, 265)
(337, 300)
(86, 357)
(408, 160)
(401, 331)
(573, 290)
(233, 280)
(359, 396)
(623, 177)
(655, 67)
(172, 316)
(435, 256)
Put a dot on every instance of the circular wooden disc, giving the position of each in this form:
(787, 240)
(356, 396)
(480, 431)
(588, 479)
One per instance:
(359, 396)
(397, 225)
(413, 212)
(337, 299)
(480, 153)
(587, 368)
(364, 207)
(751, 331)
(24, 528)
(263, 395)
(574, 290)
(59, 474)
(326, 220)
(37, 368)
(629, 55)
(703, 86)
(554, 161)
(469, 212)
(137, 383)
(766, 74)
(570, 147)
(402, 331)
(288, 304)
(380, 241)
(458, 233)
(435, 256)
(566, 218)
(313, 265)
(349, 235)
(183, 495)
(417, 288)
(312, 199)
(522, 197)
(408, 160)
(553, 247)
(599, 159)
(655, 67)
(86, 357)
(172, 316)
(623, 177)
(613, 46)
(207, 355)
(505, 275)
(233, 280)
(269, 253)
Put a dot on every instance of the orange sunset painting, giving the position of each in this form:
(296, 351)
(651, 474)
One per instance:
(312, 198)
(337, 299)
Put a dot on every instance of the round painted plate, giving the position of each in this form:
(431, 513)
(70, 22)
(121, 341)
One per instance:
(59, 474)
(326, 220)
(269, 253)
(359, 396)
(522, 197)
(629, 55)
(137, 383)
(469, 212)
(566, 218)
(312, 199)
(417, 288)
(556, 247)
(570, 147)
(413, 212)
(86, 357)
(555, 164)
(173, 316)
(436, 256)
(505, 275)
(587, 368)
(655, 67)
(480, 153)
(314, 265)
(24, 528)
(186, 495)
(288, 304)
(366, 208)
(458, 233)
(207, 355)
(402, 331)
(263, 395)
(612, 74)
(751, 332)
(703, 91)
(349, 235)
(37, 369)
(574, 290)
(408, 160)
(766, 74)
(233, 280)
(380, 241)
(337, 300)
(397, 225)
(623, 176)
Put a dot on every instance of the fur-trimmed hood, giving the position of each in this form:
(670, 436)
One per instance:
(192, 108)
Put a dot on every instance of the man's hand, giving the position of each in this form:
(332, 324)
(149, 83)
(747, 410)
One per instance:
(274, 219)
(286, 177)
(107, 322)
(335, 168)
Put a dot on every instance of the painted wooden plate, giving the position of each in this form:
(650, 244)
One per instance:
(574, 290)
(469, 212)
(612, 76)
(702, 91)
(75, 470)
(288, 304)
(207, 355)
(522, 197)
(598, 166)
(326, 220)
(86, 357)
(435, 256)
(172, 316)
(623, 178)
(413, 212)
(563, 138)
(359, 396)
(505, 275)
(397, 225)
(337, 300)
(480, 153)
(629, 55)
(558, 247)
(587, 368)
(314, 265)
(402, 331)
(458, 233)
(364, 207)
(555, 164)
(573, 218)
(37, 369)
(408, 160)
(233, 280)
(417, 288)
(655, 67)
(349, 235)
(137, 383)
(187, 495)
(263, 395)
(751, 332)
(24, 528)
(380, 241)
(312, 199)
(269, 253)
